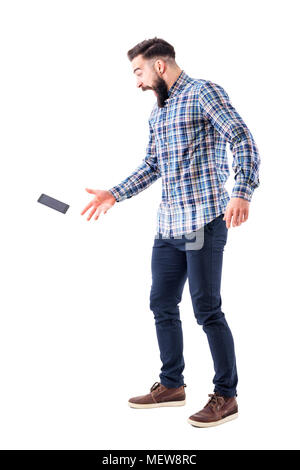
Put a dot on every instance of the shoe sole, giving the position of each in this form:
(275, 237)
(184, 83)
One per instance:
(199, 424)
(156, 405)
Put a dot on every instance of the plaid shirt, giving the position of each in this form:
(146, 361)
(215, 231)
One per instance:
(187, 149)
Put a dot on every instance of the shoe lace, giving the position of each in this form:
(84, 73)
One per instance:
(157, 385)
(154, 386)
(215, 400)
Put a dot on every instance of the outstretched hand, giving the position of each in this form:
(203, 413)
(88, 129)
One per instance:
(237, 211)
(102, 201)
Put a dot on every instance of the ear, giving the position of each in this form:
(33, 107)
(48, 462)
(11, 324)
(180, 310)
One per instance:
(159, 66)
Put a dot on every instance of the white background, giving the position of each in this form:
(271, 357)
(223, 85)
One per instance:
(77, 338)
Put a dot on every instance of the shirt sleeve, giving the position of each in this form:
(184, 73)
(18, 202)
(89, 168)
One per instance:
(143, 176)
(217, 108)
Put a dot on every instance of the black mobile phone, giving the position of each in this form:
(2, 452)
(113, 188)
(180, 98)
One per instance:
(53, 203)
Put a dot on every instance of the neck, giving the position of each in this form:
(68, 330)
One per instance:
(172, 76)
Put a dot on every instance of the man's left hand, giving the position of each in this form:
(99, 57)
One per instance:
(237, 212)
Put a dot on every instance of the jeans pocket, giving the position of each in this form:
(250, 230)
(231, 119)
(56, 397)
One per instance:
(217, 227)
(214, 221)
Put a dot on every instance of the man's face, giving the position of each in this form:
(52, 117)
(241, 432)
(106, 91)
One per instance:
(148, 79)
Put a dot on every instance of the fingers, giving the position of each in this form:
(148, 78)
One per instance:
(227, 216)
(96, 205)
(101, 209)
(91, 213)
(98, 212)
(235, 216)
(246, 214)
(86, 208)
(242, 216)
(90, 203)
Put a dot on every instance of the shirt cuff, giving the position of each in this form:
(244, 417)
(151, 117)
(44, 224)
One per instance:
(243, 190)
(117, 192)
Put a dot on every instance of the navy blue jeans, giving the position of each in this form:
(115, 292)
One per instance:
(172, 263)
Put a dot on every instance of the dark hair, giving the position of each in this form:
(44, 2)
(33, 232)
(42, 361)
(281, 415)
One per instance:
(150, 48)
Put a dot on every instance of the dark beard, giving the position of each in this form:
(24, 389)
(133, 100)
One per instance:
(161, 89)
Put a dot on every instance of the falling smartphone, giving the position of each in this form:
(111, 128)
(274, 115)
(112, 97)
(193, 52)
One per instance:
(53, 203)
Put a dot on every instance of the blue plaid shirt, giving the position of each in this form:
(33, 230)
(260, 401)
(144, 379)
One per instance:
(187, 149)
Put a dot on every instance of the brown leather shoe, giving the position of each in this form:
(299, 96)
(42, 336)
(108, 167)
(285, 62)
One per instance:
(218, 410)
(159, 396)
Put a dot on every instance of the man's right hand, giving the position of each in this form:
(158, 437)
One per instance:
(102, 201)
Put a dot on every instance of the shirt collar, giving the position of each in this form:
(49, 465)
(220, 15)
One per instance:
(179, 84)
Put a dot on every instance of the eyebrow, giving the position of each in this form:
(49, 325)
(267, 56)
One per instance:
(137, 68)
